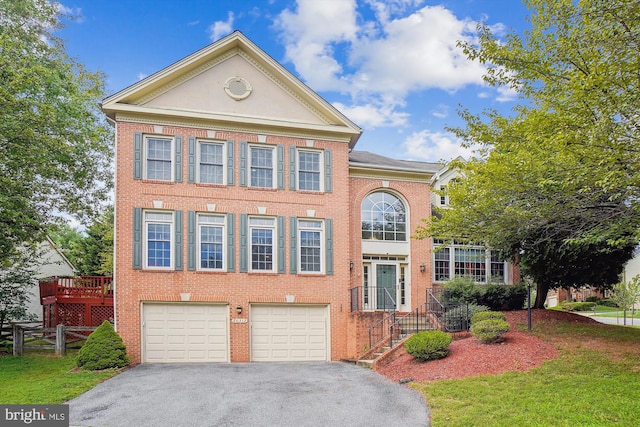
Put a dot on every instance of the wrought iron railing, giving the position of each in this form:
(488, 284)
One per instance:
(372, 298)
(451, 316)
(416, 321)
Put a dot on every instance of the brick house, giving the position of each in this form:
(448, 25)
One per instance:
(247, 227)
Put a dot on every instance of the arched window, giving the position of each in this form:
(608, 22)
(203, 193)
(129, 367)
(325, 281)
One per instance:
(383, 217)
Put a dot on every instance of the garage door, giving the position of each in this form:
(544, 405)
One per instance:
(178, 333)
(289, 333)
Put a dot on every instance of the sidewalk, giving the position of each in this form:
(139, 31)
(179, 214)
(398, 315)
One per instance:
(613, 320)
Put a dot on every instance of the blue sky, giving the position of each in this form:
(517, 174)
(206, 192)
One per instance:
(391, 66)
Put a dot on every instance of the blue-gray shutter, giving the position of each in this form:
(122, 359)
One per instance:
(191, 240)
(137, 155)
(328, 172)
(191, 154)
(231, 248)
(137, 238)
(230, 162)
(243, 163)
(281, 245)
(178, 244)
(178, 159)
(293, 159)
(328, 224)
(280, 166)
(293, 245)
(243, 243)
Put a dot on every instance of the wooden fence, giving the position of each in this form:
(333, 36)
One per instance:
(27, 337)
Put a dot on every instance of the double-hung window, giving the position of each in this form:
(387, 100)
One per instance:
(211, 233)
(311, 247)
(211, 167)
(158, 158)
(262, 233)
(463, 260)
(261, 160)
(158, 237)
(309, 170)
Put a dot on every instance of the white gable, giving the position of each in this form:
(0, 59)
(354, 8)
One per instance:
(205, 92)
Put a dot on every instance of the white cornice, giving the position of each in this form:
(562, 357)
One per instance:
(304, 132)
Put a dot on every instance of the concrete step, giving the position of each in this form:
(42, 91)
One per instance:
(365, 363)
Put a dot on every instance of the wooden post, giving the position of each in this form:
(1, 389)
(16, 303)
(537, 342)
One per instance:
(61, 343)
(18, 340)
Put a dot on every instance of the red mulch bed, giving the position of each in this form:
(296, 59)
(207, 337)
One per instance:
(519, 352)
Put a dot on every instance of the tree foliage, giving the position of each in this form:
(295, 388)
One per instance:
(558, 179)
(55, 151)
(90, 252)
(626, 294)
(15, 284)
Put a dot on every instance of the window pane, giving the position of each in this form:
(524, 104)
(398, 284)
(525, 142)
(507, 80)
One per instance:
(470, 262)
(211, 251)
(211, 163)
(383, 217)
(159, 159)
(310, 246)
(159, 245)
(262, 249)
(261, 167)
(309, 171)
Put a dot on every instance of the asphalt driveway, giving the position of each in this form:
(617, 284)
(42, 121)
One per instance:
(249, 394)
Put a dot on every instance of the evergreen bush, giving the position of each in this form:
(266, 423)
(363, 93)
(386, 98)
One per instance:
(489, 331)
(428, 345)
(503, 297)
(577, 306)
(104, 349)
(486, 315)
(461, 289)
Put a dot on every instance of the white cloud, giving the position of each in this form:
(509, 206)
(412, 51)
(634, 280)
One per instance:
(434, 146)
(142, 76)
(221, 28)
(310, 34)
(192, 23)
(399, 52)
(506, 94)
(72, 13)
(371, 116)
(441, 111)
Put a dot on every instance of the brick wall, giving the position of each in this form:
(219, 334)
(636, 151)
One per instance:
(137, 286)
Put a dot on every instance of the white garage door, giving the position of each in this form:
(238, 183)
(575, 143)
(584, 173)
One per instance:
(175, 333)
(289, 333)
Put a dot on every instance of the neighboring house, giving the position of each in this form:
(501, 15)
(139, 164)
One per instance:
(248, 228)
(50, 263)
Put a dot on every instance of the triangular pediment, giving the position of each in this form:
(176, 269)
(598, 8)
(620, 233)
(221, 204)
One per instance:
(232, 82)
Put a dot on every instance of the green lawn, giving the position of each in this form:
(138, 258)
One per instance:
(44, 379)
(595, 382)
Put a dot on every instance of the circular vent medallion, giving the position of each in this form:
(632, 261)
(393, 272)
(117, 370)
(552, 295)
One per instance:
(237, 88)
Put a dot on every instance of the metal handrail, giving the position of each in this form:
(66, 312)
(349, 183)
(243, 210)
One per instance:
(371, 298)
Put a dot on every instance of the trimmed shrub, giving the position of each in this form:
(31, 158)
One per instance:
(577, 306)
(593, 298)
(461, 289)
(503, 297)
(104, 349)
(489, 331)
(428, 345)
(457, 318)
(486, 315)
(608, 303)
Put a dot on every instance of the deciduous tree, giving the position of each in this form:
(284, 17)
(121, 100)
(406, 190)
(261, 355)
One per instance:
(55, 150)
(559, 177)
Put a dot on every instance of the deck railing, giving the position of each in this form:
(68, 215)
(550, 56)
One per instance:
(77, 287)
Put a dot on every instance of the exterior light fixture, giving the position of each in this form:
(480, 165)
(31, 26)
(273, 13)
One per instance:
(239, 309)
(423, 268)
(351, 265)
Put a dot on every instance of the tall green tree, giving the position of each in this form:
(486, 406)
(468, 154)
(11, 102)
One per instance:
(559, 174)
(90, 251)
(55, 150)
